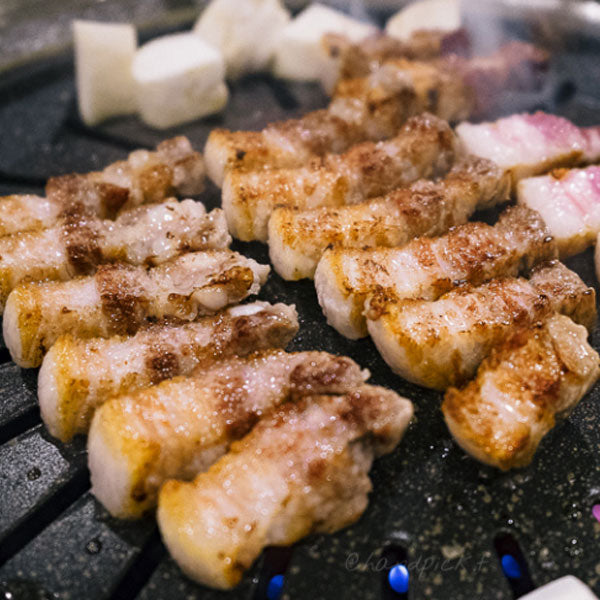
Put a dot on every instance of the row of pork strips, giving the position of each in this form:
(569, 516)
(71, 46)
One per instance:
(222, 372)
(424, 148)
(239, 443)
(216, 389)
(124, 213)
(300, 219)
(437, 307)
(373, 108)
(434, 207)
(71, 270)
(217, 377)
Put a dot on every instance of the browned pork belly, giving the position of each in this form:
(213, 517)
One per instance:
(425, 147)
(527, 384)
(120, 298)
(298, 238)
(303, 469)
(358, 59)
(374, 107)
(78, 375)
(78, 243)
(375, 110)
(145, 177)
(180, 427)
(428, 267)
(441, 343)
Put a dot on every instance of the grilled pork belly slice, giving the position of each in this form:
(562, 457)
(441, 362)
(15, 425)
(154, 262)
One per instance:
(145, 177)
(526, 145)
(374, 107)
(441, 343)
(26, 212)
(78, 375)
(120, 298)
(521, 390)
(181, 426)
(298, 238)
(455, 88)
(425, 147)
(359, 59)
(78, 243)
(175, 168)
(428, 267)
(303, 469)
(569, 202)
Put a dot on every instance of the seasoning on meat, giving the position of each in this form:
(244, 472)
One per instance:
(78, 375)
(181, 426)
(301, 470)
(428, 267)
(527, 384)
(120, 298)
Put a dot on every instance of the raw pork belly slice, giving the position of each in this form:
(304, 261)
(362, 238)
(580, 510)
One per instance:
(527, 145)
(569, 202)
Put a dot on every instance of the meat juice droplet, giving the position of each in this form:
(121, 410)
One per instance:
(93, 546)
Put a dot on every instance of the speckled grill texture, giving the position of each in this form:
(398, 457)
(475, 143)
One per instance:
(56, 541)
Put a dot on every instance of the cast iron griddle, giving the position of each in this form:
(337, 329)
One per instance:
(431, 505)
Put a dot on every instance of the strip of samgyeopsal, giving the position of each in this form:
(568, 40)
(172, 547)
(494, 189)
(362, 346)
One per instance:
(145, 177)
(78, 375)
(120, 298)
(526, 145)
(312, 456)
(428, 267)
(358, 59)
(527, 384)
(178, 428)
